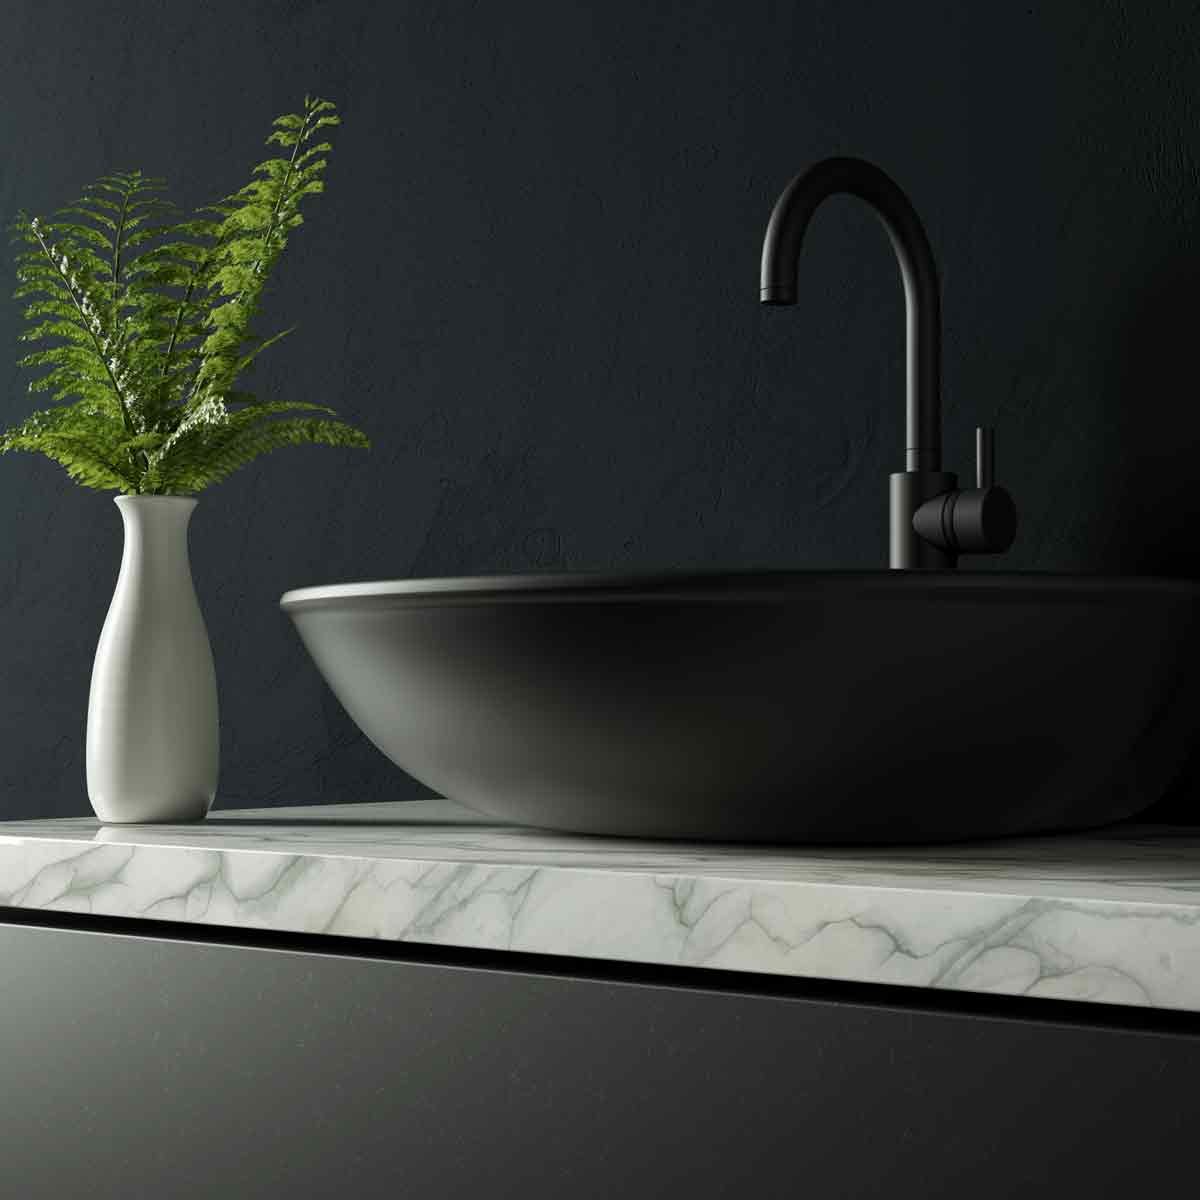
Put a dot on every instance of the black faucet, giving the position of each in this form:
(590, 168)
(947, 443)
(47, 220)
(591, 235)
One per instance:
(932, 520)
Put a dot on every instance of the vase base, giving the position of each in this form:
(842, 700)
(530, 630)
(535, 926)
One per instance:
(147, 812)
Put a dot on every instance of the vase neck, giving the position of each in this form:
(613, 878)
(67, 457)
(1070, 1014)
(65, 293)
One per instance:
(156, 529)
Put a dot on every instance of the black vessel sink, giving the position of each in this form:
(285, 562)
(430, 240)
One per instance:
(794, 706)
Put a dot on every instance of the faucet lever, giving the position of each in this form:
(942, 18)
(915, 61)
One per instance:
(979, 520)
(985, 456)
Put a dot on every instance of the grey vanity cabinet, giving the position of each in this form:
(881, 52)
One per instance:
(140, 1065)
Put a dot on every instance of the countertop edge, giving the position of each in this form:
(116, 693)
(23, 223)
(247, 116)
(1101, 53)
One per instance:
(1008, 941)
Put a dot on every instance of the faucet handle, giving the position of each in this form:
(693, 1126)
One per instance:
(979, 520)
(985, 456)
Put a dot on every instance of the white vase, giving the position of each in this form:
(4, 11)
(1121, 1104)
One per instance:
(152, 741)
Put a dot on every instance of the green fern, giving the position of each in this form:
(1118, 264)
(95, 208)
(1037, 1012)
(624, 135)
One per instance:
(145, 322)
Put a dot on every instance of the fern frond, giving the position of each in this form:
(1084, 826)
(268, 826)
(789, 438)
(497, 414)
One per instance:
(85, 463)
(85, 441)
(143, 322)
(60, 230)
(242, 446)
(72, 330)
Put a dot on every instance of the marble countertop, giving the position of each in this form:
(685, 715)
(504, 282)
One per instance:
(1111, 916)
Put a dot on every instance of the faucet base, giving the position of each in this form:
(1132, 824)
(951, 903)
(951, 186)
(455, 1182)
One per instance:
(907, 492)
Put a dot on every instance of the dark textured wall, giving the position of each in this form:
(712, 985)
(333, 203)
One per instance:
(533, 280)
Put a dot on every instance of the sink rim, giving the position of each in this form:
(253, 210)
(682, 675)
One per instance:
(717, 583)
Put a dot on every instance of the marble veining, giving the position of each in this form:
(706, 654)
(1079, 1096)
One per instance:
(1111, 916)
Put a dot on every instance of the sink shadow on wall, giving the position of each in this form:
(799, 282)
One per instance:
(1153, 404)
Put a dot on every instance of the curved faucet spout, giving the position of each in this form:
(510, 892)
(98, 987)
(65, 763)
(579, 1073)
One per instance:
(781, 254)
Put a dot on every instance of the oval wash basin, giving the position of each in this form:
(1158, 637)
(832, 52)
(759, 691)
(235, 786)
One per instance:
(760, 706)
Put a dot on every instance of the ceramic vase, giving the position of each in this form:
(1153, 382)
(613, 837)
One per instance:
(152, 736)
